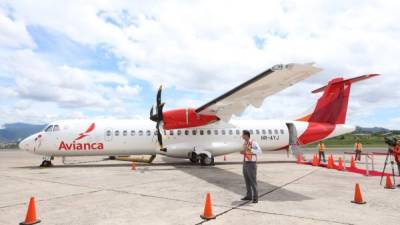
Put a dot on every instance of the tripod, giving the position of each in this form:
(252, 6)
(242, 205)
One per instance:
(389, 156)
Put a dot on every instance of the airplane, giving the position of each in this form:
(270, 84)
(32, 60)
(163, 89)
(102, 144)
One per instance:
(200, 134)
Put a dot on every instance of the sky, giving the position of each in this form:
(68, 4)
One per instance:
(106, 59)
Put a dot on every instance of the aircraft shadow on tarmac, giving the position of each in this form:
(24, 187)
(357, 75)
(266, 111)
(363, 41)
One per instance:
(234, 182)
(222, 178)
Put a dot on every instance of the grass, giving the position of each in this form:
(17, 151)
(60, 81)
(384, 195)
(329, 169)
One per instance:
(348, 140)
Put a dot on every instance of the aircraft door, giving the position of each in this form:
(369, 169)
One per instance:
(293, 142)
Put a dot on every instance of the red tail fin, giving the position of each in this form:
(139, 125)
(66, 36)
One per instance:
(332, 105)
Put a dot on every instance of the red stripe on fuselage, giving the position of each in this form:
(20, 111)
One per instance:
(316, 132)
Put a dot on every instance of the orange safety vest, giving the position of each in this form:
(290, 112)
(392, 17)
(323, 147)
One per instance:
(396, 151)
(248, 156)
(358, 146)
(321, 147)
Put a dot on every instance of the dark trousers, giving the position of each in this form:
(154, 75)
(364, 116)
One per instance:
(398, 167)
(358, 155)
(250, 177)
(320, 155)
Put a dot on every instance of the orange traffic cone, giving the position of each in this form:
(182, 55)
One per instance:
(31, 214)
(133, 166)
(208, 214)
(389, 184)
(340, 164)
(357, 195)
(298, 158)
(329, 165)
(352, 163)
(333, 162)
(314, 161)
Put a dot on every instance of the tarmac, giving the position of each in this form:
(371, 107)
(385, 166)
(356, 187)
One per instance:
(92, 190)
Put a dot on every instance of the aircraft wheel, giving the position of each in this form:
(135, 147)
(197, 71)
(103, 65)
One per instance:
(206, 161)
(193, 158)
(46, 163)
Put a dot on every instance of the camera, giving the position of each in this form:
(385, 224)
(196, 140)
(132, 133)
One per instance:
(391, 141)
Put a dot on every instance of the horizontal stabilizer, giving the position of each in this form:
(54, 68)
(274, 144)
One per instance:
(352, 80)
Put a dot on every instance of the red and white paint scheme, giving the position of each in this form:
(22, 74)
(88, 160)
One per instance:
(200, 134)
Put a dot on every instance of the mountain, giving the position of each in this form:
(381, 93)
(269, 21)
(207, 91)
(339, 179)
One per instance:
(12, 132)
(372, 130)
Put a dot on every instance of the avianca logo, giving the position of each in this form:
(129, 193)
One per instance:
(82, 146)
(86, 133)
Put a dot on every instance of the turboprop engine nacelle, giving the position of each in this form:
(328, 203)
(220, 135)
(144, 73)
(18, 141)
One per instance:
(186, 118)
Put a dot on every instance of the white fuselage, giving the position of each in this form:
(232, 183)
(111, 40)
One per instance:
(138, 137)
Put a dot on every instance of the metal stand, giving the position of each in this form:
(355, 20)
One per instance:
(390, 158)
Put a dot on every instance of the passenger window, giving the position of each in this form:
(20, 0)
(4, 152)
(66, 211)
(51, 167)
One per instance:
(237, 132)
(276, 131)
(125, 133)
(116, 133)
(140, 133)
(270, 132)
(223, 132)
(282, 131)
(133, 133)
(179, 132)
(264, 132)
(49, 128)
(258, 132)
(208, 132)
(194, 132)
(56, 128)
(201, 132)
(215, 132)
(186, 132)
(171, 132)
(148, 133)
(108, 133)
(230, 132)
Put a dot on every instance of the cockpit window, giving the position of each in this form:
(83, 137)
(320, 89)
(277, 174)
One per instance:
(49, 128)
(56, 128)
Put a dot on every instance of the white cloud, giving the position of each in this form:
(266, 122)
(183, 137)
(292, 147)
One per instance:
(13, 33)
(210, 46)
(129, 91)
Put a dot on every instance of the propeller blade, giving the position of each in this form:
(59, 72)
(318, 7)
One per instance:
(160, 112)
(159, 137)
(159, 96)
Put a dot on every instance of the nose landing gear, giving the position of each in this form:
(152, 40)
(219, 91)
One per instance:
(47, 161)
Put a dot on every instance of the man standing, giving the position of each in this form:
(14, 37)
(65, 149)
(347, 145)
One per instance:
(358, 149)
(321, 151)
(250, 152)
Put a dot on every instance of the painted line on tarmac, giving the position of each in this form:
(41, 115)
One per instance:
(271, 213)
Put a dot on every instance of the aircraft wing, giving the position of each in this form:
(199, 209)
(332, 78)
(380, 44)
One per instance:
(254, 91)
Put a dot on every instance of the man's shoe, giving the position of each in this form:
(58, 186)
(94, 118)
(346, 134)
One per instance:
(255, 200)
(246, 199)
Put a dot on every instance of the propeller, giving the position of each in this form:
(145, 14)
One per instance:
(158, 116)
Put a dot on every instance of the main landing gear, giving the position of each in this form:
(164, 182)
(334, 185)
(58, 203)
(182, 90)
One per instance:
(202, 159)
(47, 161)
